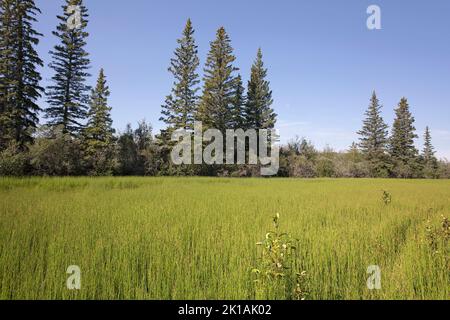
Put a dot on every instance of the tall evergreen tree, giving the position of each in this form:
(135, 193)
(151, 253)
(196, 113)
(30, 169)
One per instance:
(19, 77)
(180, 106)
(6, 69)
(430, 162)
(68, 96)
(219, 85)
(402, 146)
(428, 152)
(374, 138)
(258, 111)
(238, 105)
(98, 133)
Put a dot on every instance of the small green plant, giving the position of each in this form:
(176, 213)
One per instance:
(276, 276)
(437, 238)
(387, 197)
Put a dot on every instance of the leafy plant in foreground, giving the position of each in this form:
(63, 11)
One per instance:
(438, 241)
(437, 238)
(387, 197)
(276, 276)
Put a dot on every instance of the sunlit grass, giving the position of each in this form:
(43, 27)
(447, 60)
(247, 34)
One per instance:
(194, 238)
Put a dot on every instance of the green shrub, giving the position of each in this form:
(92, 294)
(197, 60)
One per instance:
(276, 276)
(12, 161)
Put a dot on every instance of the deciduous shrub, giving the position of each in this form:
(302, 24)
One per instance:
(277, 276)
(12, 161)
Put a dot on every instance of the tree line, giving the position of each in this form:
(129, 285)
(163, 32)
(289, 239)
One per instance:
(379, 153)
(78, 137)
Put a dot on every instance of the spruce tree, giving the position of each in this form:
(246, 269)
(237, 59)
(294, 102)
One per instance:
(68, 96)
(19, 77)
(98, 134)
(430, 162)
(238, 106)
(258, 111)
(219, 85)
(428, 152)
(180, 106)
(6, 70)
(402, 148)
(374, 138)
(128, 154)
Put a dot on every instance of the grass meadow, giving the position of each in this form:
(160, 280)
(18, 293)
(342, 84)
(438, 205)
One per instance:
(195, 238)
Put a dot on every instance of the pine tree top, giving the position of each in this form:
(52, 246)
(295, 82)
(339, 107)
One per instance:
(98, 131)
(219, 84)
(428, 152)
(374, 133)
(403, 134)
(68, 95)
(181, 104)
(259, 113)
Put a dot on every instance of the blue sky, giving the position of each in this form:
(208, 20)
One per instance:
(323, 61)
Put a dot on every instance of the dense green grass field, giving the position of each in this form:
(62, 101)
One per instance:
(194, 238)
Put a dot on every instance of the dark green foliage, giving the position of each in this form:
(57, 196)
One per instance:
(56, 153)
(137, 151)
(402, 149)
(219, 85)
(402, 146)
(143, 136)
(6, 64)
(258, 111)
(238, 120)
(68, 96)
(429, 161)
(180, 107)
(12, 160)
(428, 149)
(6, 71)
(374, 139)
(127, 153)
(19, 77)
(147, 151)
(98, 134)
